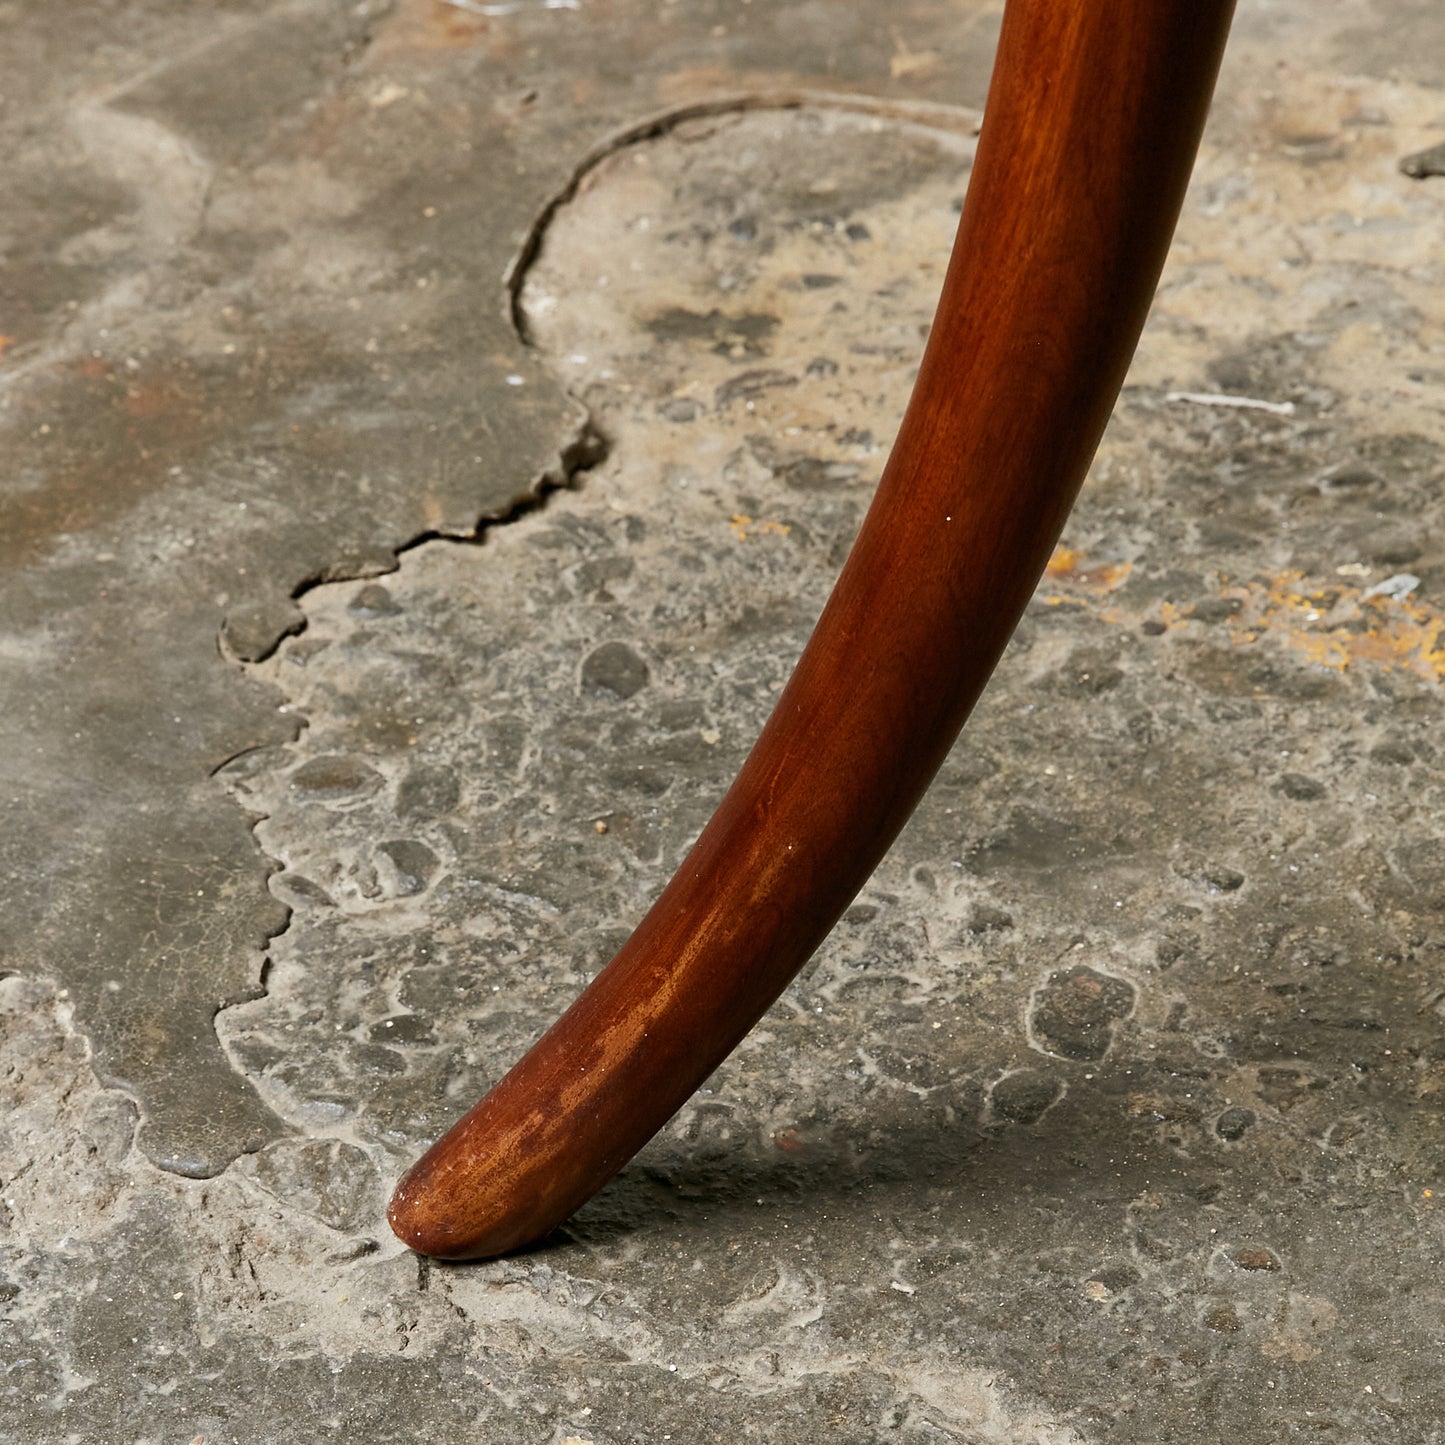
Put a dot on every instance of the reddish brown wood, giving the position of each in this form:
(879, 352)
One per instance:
(1093, 118)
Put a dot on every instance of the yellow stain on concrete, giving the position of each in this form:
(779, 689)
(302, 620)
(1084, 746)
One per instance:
(1067, 565)
(743, 527)
(1332, 623)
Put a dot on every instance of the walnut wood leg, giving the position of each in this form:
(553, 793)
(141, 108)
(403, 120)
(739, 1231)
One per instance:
(1092, 122)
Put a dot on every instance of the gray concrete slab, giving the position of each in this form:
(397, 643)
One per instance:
(1111, 1112)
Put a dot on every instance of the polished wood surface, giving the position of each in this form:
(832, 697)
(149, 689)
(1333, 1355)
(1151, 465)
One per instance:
(1093, 118)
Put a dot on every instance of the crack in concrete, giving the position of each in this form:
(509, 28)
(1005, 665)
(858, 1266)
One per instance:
(588, 446)
(941, 117)
(586, 449)
(583, 451)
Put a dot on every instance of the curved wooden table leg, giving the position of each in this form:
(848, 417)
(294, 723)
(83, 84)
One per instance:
(1093, 118)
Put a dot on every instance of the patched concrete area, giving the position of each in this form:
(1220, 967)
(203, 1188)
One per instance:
(381, 624)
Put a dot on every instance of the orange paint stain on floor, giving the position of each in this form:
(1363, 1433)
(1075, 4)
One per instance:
(1067, 565)
(1334, 624)
(743, 527)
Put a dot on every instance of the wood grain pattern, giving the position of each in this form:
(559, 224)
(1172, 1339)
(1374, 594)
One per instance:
(1093, 119)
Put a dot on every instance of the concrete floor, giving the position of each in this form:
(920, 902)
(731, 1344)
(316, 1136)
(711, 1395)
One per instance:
(429, 431)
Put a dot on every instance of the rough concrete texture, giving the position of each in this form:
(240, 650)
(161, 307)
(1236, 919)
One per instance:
(1113, 1109)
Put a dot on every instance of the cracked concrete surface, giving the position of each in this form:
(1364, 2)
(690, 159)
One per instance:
(1112, 1111)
